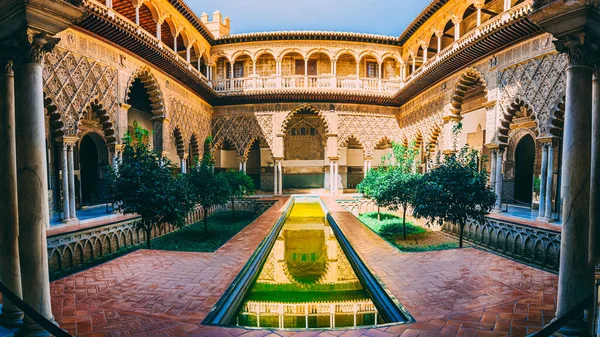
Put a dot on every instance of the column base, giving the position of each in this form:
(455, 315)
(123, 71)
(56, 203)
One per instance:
(11, 320)
(575, 328)
(71, 222)
(497, 210)
(544, 219)
(32, 329)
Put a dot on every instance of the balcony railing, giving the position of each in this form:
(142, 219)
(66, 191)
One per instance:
(311, 82)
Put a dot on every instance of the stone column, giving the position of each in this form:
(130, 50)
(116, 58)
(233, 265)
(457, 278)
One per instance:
(245, 168)
(575, 280)
(71, 177)
(499, 155)
(595, 170)
(493, 170)
(64, 166)
(335, 177)
(10, 271)
(280, 171)
(32, 179)
(183, 163)
(331, 170)
(275, 178)
(365, 167)
(549, 182)
(479, 15)
(542, 209)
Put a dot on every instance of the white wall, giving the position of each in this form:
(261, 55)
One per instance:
(469, 124)
(355, 157)
(226, 159)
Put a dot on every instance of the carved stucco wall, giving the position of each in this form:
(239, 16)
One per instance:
(241, 125)
(530, 72)
(83, 69)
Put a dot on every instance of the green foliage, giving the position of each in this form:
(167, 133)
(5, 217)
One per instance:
(208, 188)
(240, 185)
(193, 238)
(144, 185)
(389, 225)
(454, 191)
(207, 157)
(416, 248)
(393, 186)
(536, 184)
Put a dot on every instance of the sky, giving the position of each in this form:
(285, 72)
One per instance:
(386, 17)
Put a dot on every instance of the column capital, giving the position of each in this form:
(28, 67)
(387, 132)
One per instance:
(70, 140)
(31, 47)
(548, 141)
(125, 106)
(334, 159)
(119, 148)
(579, 50)
(6, 64)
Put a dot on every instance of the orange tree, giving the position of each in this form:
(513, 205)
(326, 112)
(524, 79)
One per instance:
(144, 184)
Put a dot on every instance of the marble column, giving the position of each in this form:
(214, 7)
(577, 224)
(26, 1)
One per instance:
(331, 191)
(575, 280)
(275, 178)
(365, 168)
(245, 167)
(280, 172)
(71, 176)
(542, 207)
(595, 169)
(549, 182)
(64, 166)
(32, 177)
(493, 170)
(183, 164)
(10, 271)
(499, 155)
(335, 177)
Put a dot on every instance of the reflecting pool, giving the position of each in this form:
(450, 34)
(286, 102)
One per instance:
(307, 281)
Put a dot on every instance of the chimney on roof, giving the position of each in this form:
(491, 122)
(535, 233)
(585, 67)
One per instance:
(218, 26)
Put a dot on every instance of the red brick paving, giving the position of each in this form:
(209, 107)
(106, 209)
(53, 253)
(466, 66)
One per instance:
(464, 292)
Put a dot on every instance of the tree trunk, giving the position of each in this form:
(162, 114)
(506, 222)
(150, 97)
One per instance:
(148, 236)
(233, 206)
(205, 221)
(378, 213)
(460, 239)
(404, 220)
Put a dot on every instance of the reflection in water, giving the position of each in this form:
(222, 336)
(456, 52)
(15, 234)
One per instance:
(307, 281)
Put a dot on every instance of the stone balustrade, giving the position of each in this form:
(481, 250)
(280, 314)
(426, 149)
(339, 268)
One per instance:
(73, 250)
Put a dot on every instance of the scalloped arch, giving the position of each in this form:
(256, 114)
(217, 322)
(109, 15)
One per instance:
(304, 107)
(151, 85)
(471, 77)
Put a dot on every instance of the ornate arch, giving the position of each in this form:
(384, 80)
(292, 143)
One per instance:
(55, 121)
(470, 78)
(179, 143)
(99, 112)
(514, 139)
(151, 85)
(509, 114)
(247, 148)
(304, 107)
(557, 118)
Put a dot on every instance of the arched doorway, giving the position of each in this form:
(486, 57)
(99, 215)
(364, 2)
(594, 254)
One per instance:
(93, 160)
(524, 162)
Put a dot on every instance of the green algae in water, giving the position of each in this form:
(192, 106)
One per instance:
(307, 281)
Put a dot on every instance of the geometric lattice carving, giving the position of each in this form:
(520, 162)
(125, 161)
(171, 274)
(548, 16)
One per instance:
(186, 122)
(242, 131)
(368, 130)
(73, 82)
(539, 84)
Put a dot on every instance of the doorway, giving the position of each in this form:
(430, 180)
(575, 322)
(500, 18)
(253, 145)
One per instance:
(524, 162)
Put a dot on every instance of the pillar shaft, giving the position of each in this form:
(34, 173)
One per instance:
(71, 175)
(280, 182)
(64, 166)
(10, 271)
(331, 177)
(542, 209)
(499, 178)
(549, 182)
(493, 170)
(575, 280)
(32, 179)
(275, 179)
(595, 170)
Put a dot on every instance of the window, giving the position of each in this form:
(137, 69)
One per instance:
(312, 67)
(238, 69)
(372, 69)
(312, 131)
(293, 131)
(303, 131)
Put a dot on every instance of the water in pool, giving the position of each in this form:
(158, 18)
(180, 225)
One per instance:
(307, 281)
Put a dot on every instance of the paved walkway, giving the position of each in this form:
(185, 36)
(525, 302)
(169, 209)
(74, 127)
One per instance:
(450, 293)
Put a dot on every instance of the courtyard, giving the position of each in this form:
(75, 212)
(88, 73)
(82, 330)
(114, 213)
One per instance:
(457, 292)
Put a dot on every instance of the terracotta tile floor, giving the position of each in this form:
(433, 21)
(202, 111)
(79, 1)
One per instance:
(464, 292)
